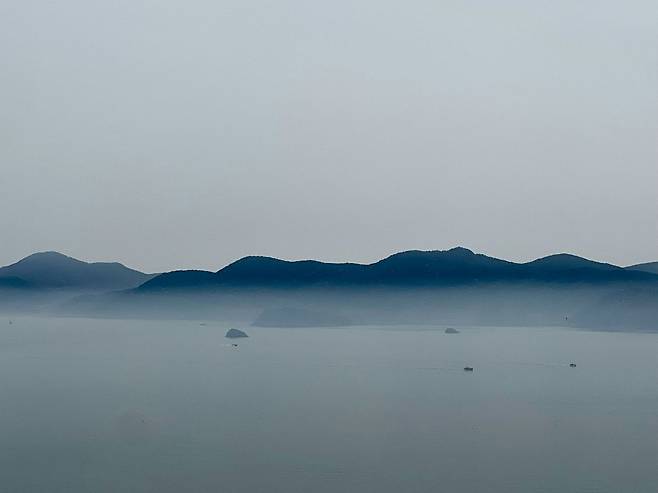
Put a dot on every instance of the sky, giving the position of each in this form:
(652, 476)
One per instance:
(168, 134)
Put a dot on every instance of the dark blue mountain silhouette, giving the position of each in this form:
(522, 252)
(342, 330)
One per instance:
(430, 267)
(412, 268)
(181, 279)
(651, 267)
(54, 270)
(14, 283)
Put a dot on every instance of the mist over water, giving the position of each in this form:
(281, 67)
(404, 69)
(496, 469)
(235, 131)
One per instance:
(170, 406)
(344, 181)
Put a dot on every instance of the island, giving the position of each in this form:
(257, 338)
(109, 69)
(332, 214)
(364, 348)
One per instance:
(235, 334)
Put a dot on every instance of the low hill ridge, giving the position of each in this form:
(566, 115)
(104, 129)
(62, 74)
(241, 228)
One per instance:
(651, 267)
(414, 267)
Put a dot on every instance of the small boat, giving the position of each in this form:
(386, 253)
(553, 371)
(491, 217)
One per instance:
(234, 345)
(572, 365)
(468, 368)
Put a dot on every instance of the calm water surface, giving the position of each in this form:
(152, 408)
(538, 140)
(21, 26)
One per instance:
(144, 406)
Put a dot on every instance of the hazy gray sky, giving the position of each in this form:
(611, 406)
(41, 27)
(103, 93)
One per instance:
(169, 134)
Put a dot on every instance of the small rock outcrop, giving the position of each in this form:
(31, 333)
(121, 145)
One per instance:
(235, 334)
(450, 330)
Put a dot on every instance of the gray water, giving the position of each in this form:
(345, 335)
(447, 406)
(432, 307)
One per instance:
(144, 406)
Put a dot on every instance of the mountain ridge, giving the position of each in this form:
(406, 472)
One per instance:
(412, 287)
(651, 267)
(455, 266)
(413, 267)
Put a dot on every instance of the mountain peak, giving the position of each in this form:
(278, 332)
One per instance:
(48, 256)
(456, 252)
(52, 269)
(569, 261)
(460, 250)
(46, 253)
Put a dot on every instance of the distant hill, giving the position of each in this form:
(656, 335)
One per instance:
(181, 279)
(267, 271)
(13, 283)
(457, 266)
(651, 267)
(631, 306)
(54, 270)
(451, 287)
(430, 267)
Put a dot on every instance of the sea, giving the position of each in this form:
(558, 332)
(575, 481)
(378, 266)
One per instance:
(95, 405)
